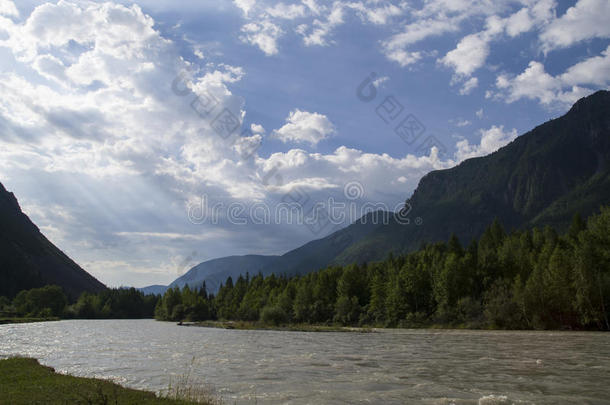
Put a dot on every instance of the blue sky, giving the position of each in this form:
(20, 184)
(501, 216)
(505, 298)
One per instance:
(116, 167)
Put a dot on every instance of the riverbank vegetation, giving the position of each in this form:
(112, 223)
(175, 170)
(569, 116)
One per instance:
(532, 279)
(25, 381)
(289, 327)
(6, 320)
(50, 303)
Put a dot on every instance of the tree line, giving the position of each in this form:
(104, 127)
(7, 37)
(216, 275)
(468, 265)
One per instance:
(526, 279)
(51, 302)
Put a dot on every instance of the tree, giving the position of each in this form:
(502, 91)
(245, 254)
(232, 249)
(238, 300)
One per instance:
(347, 310)
(376, 309)
(273, 315)
(501, 310)
(303, 300)
(592, 271)
(49, 299)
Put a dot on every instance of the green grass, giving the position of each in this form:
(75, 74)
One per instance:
(25, 381)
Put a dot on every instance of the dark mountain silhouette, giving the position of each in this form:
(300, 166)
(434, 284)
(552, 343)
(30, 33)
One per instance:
(543, 177)
(29, 260)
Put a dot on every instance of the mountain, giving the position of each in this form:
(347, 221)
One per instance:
(543, 177)
(320, 253)
(216, 271)
(314, 255)
(29, 260)
(153, 289)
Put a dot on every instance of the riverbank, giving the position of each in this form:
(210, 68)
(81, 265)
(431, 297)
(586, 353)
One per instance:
(297, 327)
(25, 381)
(4, 321)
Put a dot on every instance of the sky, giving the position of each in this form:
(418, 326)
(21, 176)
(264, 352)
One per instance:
(144, 137)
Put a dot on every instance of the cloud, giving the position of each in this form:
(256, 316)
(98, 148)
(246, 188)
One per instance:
(319, 30)
(332, 171)
(287, 11)
(7, 7)
(463, 123)
(519, 22)
(492, 139)
(469, 54)
(316, 20)
(412, 24)
(469, 85)
(394, 47)
(561, 90)
(536, 14)
(89, 123)
(473, 50)
(533, 83)
(245, 5)
(479, 113)
(257, 128)
(436, 18)
(377, 15)
(95, 111)
(165, 235)
(380, 81)
(303, 126)
(593, 71)
(402, 57)
(263, 34)
(585, 20)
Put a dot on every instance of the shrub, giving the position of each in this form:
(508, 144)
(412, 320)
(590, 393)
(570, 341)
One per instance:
(273, 315)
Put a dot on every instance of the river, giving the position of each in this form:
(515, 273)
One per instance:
(269, 367)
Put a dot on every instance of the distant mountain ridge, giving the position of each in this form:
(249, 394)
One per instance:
(543, 177)
(29, 260)
(216, 271)
(312, 256)
(155, 289)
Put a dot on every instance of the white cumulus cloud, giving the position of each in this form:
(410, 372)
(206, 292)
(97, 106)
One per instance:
(562, 90)
(303, 126)
(287, 11)
(585, 20)
(469, 85)
(492, 139)
(8, 8)
(263, 34)
(469, 54)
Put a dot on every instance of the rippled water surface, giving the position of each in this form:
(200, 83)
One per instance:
(391, 366)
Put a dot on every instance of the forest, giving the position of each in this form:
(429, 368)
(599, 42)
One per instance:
(528, 279)
(51, 302)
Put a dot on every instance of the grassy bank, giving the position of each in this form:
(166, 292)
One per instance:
(305, 327)
(296, 327)
(4, 321)
(25, 381)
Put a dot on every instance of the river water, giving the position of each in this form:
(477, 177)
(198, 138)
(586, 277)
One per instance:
(269, 367)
